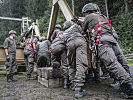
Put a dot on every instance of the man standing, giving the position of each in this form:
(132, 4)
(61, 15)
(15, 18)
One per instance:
(77, 57)
(103, 40)
(29, 55)
(10, 51)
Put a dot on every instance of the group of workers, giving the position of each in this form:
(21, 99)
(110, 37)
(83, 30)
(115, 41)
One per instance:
(69, 49)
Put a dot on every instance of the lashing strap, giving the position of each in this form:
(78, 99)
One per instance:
(59, 37)
(29, 42)
(99, 27)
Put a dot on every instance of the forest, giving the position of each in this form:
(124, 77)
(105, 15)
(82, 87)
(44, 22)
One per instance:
(120, 13)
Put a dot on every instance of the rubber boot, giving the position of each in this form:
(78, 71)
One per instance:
(105, 76)
(13, 78)
(66, 83)
(128, 71)
(56, 64)
(90, 76)
(127, 90)
(115, 84)
(29, 77)
(9, 78)
(72, 86)
(79, 92)
(97, 78)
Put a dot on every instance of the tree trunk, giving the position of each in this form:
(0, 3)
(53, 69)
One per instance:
(126, 6)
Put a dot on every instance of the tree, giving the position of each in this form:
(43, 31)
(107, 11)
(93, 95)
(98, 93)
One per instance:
(126, 6)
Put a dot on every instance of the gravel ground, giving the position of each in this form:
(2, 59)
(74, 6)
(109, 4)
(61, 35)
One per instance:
(32, 90)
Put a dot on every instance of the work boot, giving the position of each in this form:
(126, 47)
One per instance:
(127, 90)
(128, 71)
(79, 92)
(56, 64)
(115, 84)
(13, 78)
(97, 78)
(90, 76)
(72, 86)
(9, 78)
(66, 83)
(29, 77)
(105, 76)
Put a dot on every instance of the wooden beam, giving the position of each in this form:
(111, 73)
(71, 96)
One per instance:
(53, 18)
(67, 12)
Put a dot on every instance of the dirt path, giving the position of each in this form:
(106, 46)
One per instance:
(32, 90)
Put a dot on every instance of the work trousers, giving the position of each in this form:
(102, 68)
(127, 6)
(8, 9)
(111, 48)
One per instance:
(11, 65)
(29, 62)
(77, 60)
(109, 59)
(60, 55)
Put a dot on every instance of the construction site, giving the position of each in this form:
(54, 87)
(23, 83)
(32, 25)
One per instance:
(49, 83)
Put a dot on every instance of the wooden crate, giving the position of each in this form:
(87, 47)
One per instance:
(39, 72)
(51, 83)
(50, 73)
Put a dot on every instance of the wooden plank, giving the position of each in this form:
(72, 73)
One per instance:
(53, 19)
(66, 10)
(39, 72)
(51, 83)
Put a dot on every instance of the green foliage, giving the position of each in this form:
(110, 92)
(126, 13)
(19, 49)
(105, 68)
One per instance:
(18, 37)
(60, 19)
(44, 20)
(123, 24)
(41, 10)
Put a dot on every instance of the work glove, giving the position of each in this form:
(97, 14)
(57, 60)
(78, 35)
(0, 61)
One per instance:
(76, 18)
(7, 58)
(18, 43)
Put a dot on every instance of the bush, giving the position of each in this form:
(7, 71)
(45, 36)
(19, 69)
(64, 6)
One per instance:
(123, 24)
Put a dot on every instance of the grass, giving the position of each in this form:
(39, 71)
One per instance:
(3, 71)
(130, 63)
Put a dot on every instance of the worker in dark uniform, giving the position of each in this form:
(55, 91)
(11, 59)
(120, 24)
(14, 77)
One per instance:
(29, 55)
(58, 51)
(102, 38)
(10, 51)
(77, 57)
(43, 54)
(121, 59)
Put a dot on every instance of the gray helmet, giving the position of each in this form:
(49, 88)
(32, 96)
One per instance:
(58, 26)
(12, 32)
(67, 24)
(90, 7)
(43, 38)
